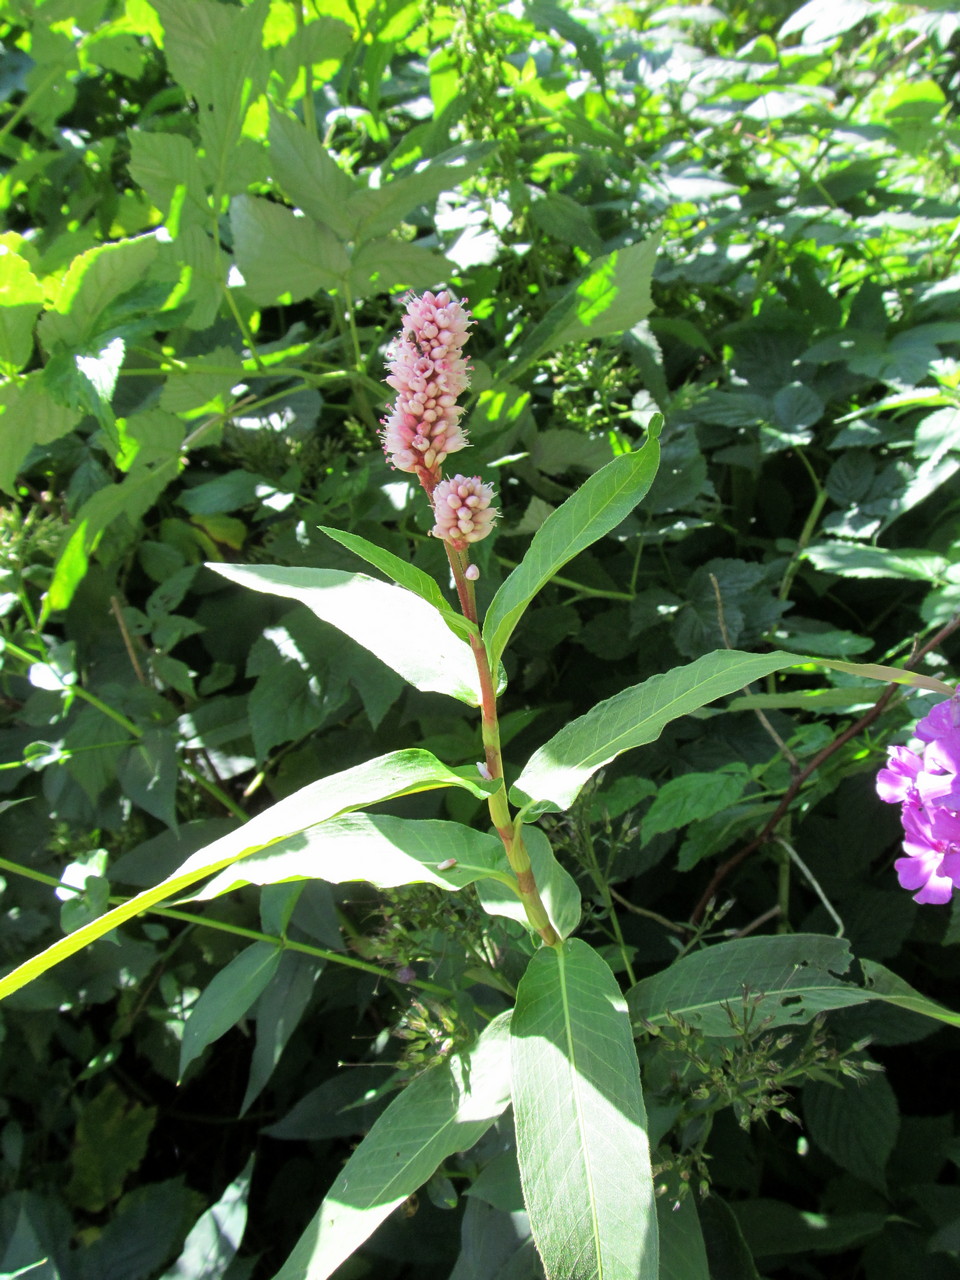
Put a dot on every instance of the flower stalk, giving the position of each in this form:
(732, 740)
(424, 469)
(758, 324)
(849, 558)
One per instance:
(429, 373)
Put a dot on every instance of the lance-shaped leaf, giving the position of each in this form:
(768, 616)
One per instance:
(776, 981)
(401, 629)
(598, 506)
(580, 1119)
(403, 573)
(554, 774)
(397, 774)
(446, 1109)
(383, 850)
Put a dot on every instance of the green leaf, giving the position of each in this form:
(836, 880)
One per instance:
(403, 631)
(403, 573)
(693, 797)
(228, 997)
(216, 1235)
(891, 675)
(85, 305)
(21, 297)
(683, 1255)
(397, 774)
(855, 560)
(310, 175)
(856, 1125)
(382, 850)
(445, 1109)
(278, 1013)
(148, 774)
(554, 774)
(728, 1256)
(580, 1120)
(883, 985)
(781, 981)
(129, 500)
(598, 506)
(29, 415)
(111, 1141)
(281, 255)
(557, 887)
(772, 1228)
(612, 297)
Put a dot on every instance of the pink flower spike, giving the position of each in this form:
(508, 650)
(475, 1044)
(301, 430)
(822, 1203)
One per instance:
(428, 372)
(463, 511)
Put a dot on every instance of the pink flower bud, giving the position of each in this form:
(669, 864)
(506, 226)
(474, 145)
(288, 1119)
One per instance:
(462, 510)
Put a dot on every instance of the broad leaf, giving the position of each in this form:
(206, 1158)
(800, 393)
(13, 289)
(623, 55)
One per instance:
(396, 774)
(773, 981)
(553, 776)
(598, 506)
(683, 1255)
(230, 994)
(444, 1110)
(580, 1119)
(400, 628)
(386, 851)
(216, 1235)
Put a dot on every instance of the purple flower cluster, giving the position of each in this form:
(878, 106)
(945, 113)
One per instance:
(927, 786)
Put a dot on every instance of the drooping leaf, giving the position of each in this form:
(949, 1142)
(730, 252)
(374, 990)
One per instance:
(446, 1109)
(598, 506)
(382, 850)
(580, 1120)
(404, 631)
(396, 774)
(231, 992)
(683, 1255)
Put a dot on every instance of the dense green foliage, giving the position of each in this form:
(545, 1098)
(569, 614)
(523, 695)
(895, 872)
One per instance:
(211, 210)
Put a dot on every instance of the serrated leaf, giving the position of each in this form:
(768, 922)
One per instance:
(148, 774)
(693, 797)
(29, 415)
(280, 254)
(385, 851)
(232, 991)
(396, 774)
(445, 1109)
(856, 1124)
(598, 506)
(580, 1120)
(21, 297)
(416, 642)
(111, 1141)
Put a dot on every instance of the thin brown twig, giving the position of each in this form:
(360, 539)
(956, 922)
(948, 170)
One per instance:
(851, 731)
(117, 610)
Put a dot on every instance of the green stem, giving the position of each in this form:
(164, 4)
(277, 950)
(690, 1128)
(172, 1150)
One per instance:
(254, 935)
